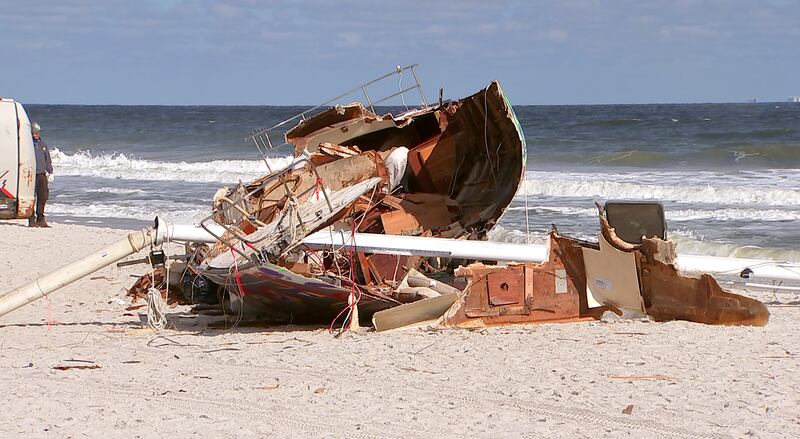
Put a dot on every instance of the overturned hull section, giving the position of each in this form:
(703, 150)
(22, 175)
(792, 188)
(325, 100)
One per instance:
(271, 293)
(669, 295)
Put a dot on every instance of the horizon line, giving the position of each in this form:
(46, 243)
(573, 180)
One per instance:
(400, 105)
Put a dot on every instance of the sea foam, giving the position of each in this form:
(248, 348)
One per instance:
(181, 214)
(122, 166)
(717, 214)
(677, 187)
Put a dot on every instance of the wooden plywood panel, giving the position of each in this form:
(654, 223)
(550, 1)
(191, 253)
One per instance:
(424, 217)
(399, 221)
(506, 287)
(549, 302)
(547, 293)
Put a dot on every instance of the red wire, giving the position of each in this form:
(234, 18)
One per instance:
(236, 269)
(333, 323)
(314, 253)
(355, 292)
(317, 185)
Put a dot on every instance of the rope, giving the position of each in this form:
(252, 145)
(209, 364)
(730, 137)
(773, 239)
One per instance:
(156, 305)
(238, 278)
(355, 292)
(156, 317)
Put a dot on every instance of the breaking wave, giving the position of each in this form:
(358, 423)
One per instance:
(116, 191)
(681, 191)
(183, 214)
(121, 166)
(561, 210)
(768, 215)
(722, 214)
(502, 234)
(689, 244)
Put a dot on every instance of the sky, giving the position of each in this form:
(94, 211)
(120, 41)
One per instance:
(261, 52)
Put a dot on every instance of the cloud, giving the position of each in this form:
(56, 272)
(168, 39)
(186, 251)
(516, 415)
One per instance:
(348, 40)
(554, 35)
(710, 30)
(43, 45)
(225, 10)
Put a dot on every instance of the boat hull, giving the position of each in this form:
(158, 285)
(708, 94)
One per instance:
(276, 294)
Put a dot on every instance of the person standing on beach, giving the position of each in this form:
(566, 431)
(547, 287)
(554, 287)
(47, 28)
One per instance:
(44, 171)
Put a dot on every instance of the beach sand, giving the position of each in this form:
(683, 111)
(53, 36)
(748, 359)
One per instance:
(677, 379)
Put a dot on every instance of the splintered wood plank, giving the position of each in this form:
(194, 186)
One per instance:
(364, 263)
(391, 268)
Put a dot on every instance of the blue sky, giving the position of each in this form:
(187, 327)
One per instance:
(293, 52)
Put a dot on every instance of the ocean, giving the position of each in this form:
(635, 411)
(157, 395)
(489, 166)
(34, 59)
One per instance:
(727, 174)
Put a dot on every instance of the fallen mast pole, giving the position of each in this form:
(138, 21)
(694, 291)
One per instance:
(133, 243)
(67, 274)
(512, 252)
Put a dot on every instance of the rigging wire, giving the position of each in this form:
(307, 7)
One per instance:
(240, 289)
(400, 86)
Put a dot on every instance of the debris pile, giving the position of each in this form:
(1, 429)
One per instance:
(444, 171)
(447, 171)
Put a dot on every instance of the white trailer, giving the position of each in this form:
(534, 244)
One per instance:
(17, 162)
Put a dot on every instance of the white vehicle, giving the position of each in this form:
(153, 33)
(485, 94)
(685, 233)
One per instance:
(17, 162)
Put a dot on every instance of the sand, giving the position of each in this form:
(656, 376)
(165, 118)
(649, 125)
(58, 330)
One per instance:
(675, 379)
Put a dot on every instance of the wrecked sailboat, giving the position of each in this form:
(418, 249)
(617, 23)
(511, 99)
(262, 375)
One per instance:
(447, 170)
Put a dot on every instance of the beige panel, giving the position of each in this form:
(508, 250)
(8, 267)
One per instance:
(9, 157)
(411, 313)
(27, 166)
(612, 277)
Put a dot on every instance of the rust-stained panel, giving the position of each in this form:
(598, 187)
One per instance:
(547, 303)
(25, 207)
(531, 295)
(669, 295)
(506, 287)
